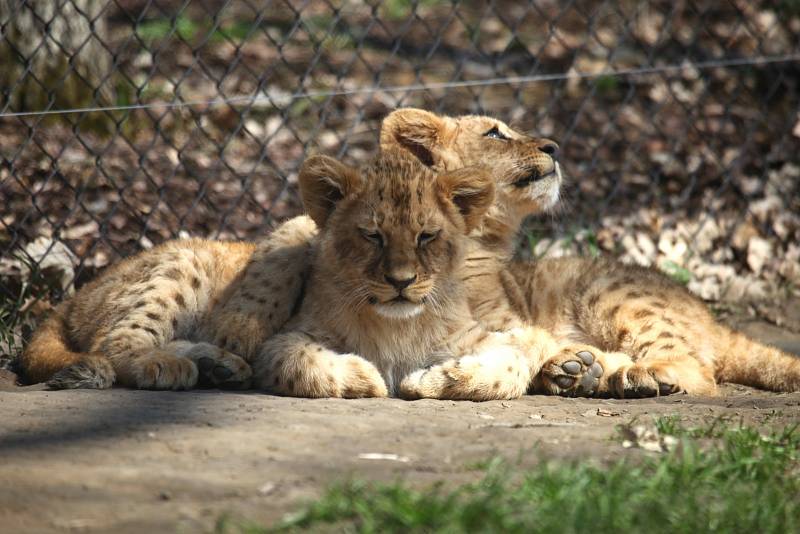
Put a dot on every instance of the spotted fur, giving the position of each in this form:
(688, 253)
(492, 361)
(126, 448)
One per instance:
(673, 341)
(385, 311)
(649, 334)
(148, 322)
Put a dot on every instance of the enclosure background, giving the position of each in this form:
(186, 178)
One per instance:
(678, 122)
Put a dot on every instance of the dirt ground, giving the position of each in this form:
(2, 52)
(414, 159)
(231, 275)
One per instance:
(131, 461)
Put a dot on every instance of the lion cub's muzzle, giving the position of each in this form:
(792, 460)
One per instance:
(400, 299)
(535, 173)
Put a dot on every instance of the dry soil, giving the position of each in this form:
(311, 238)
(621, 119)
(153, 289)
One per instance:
(133, 461)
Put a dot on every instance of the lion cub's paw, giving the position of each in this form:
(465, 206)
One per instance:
(655, 379)
(222, 369)
(476, 377)
(217, 367)
(359, 379)
(330, 375)
(91, 372)
(637, 381)
(574, 372)
(160, 369)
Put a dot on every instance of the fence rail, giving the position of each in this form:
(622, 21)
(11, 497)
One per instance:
(124, 123)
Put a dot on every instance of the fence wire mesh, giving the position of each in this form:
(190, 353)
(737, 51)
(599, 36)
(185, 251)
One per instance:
(678, 122)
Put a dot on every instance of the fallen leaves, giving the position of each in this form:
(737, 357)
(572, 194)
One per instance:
(647, 438)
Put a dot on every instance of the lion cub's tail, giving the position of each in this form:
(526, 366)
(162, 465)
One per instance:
(741, 360)
(48, 358)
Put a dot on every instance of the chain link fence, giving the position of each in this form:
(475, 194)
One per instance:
(678, 122)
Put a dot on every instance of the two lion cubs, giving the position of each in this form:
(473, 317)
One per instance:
(410, 289)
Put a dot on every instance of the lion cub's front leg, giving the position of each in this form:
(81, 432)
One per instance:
(499, 366)
(295, 364)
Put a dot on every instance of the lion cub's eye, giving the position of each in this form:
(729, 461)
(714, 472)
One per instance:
(426, 237)
(372, 236)
(495, 133)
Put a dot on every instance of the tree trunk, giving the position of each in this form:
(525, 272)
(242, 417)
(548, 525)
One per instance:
(54, 55)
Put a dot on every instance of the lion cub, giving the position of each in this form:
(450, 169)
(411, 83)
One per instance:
(230, 297)
(385, 310)
(527, 180)
(649, 335)
(652, 336)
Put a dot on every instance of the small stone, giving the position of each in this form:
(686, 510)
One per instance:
(267, 488)
(606, 413)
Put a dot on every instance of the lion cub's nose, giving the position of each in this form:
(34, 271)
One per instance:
(549, 147)
(400, 283)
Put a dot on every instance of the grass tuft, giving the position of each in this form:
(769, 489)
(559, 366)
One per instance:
(721, 478)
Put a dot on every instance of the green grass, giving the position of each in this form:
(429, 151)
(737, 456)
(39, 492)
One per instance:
(402, 9)
(720, 478)
(607, 85)
(190, 30)
(680, 274)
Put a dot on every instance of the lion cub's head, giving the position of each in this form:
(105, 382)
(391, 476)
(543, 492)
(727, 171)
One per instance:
(392, 232)
(525, 168)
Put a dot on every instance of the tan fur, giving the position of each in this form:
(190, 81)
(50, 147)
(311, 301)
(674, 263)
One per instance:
(255, 297)
(584, 303)
(673, 341)
(527, 180)
(649, 334)
(385, 310)
(150, 321)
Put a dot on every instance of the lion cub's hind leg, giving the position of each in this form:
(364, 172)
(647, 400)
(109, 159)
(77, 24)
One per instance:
(657, 377)
(181, 365)
(658, 323)
(217, 367)
(263, 299)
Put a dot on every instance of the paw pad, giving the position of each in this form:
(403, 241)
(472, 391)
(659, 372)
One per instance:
(586, 357)
(222, 373)
(565, 382)
(582, 376)
(667, 389)
(215, 373)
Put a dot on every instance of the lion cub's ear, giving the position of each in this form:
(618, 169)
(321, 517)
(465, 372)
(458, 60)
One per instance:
(415, 130)
(471, 190)
(325, 181)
